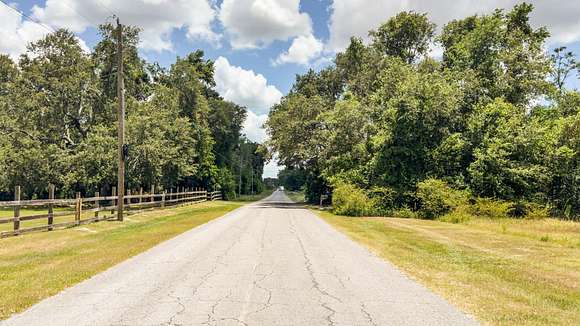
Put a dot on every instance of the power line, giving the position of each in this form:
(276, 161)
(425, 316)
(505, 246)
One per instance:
(50, 29)
(100, 3)
(90, 21)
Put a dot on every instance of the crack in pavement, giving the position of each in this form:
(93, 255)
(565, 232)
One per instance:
(261, 266)
(210, 316)
(179, 312)
(367, 315)
(315, 283)
(256, 282)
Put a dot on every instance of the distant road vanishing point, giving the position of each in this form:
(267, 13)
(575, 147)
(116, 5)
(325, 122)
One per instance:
(268, 263)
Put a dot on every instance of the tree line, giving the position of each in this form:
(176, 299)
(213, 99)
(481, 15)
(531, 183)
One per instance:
(387, 128)
(58, 121)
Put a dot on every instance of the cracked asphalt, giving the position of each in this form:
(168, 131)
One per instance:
(268, 263)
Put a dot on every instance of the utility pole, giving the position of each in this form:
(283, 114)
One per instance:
(121, 120)
(240, 183)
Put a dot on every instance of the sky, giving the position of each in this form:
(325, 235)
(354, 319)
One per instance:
(258, 45)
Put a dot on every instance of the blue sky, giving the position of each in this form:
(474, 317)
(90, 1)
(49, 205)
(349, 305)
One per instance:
(259, 45)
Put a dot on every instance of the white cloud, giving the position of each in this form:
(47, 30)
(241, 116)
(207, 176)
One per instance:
(254, 127)
(244, 87)
(271, 169)
(302, 51)
(157, 18)
(257, 23)
(357, 17)
(16, 33)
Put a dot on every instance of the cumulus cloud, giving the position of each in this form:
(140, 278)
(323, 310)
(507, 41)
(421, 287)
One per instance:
(302, 51)
(16, 33)
(271, 169)
(245, 87)
(357, 17)
(257, 23)
(157, 18)
(254, 127)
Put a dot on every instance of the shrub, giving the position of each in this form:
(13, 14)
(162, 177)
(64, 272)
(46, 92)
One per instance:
(437, 198)
(405, 212)
(350, 200)
(518, 210)
(455, 217)
(383, 200)
(490, 208)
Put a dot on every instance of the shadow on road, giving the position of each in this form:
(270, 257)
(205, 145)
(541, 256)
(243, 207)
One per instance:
(280, 205)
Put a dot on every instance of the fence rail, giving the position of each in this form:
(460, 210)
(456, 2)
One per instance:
(81, 211)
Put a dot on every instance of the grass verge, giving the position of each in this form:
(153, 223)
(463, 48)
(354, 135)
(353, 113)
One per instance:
(295, 196)
(37, 266)
(504, 272)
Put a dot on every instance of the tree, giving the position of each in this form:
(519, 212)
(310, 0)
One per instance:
(501, 53)
(408, 36)
(508, 153)
(564, 63)
(225, 121)
(58, 121)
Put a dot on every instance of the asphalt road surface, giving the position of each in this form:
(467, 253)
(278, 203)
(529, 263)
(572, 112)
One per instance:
(268, 263)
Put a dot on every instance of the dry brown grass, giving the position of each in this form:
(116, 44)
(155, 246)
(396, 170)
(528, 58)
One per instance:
(505, 271)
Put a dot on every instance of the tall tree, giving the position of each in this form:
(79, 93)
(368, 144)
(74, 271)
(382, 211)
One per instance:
(408, 36)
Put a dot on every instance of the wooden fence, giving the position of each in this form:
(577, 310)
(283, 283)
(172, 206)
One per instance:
(80, 211)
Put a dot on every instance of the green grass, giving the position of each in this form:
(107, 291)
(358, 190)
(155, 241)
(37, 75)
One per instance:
(9, 212)
(39, 265)
(295, 196)
(256, 197)
(504, 272)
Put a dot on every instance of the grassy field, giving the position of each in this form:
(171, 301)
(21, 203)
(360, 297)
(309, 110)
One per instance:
(504, 272)
(39, 265)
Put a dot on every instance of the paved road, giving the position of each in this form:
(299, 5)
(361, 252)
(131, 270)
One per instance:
(269, 263)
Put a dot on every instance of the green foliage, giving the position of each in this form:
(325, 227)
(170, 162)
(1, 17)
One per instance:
(349, 200)
(385, 115)
(518, 210)
(489, 208)
(292, 179)
(407, 36)
(436, 198)
(405, 212)
(383, 200)
(58, 121)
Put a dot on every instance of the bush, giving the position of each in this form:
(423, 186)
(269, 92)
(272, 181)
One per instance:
(405, 212)
(383, 200)
(518, 210)
(456, 216)
(349, 200)
(437, 198)
(490, 208)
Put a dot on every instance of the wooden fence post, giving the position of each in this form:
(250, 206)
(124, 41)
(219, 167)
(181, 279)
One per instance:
(17, 209)
(79, 209)
(114, 201)
(163, 199)
(152, 193)
(97, 205)
(50, 207)
(170, 193)
(140, 195)
(128, 200)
